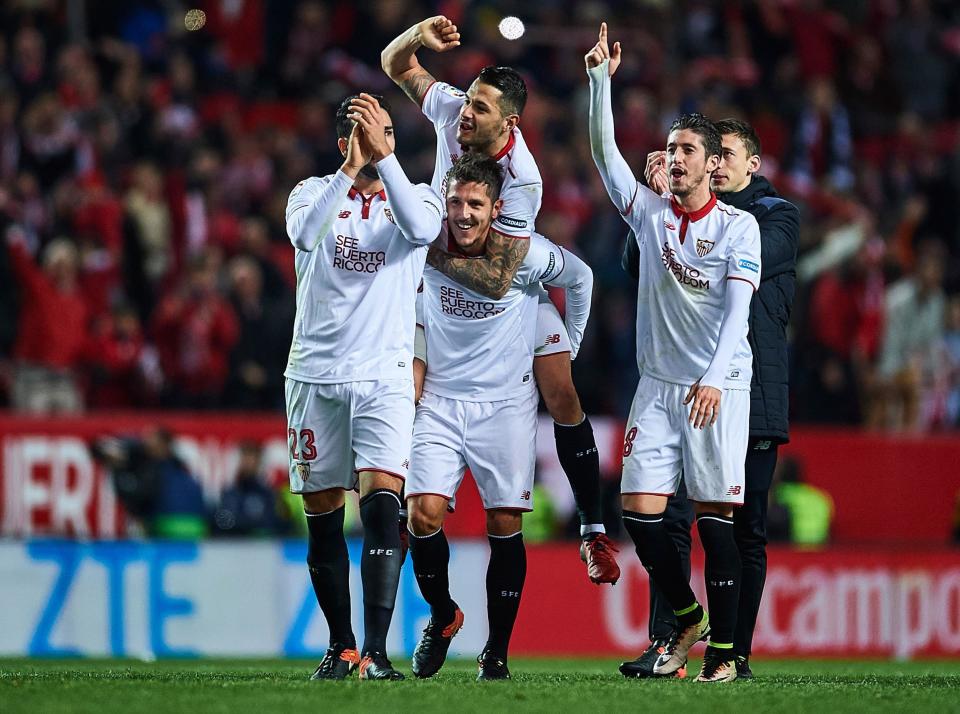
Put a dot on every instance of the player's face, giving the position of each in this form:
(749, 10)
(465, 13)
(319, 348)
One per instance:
(687, 162)
(470, 211)
(736, 166)
(481, 120)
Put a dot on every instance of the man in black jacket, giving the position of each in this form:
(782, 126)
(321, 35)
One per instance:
(738, 185)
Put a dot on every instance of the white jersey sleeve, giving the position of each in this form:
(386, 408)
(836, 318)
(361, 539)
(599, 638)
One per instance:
(743, 257)
(521, 203)
(416, 209)
(441, 103)
(312, 208)
(630, 198)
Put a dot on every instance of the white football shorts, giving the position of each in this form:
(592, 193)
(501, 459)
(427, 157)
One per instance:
(495, 440)
(552, 337)
(334, 431)
(660, 444)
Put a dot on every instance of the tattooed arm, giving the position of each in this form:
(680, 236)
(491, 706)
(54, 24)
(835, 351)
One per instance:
(489, 275)
(399, 58)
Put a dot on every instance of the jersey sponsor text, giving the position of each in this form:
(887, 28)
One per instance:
(348, 256)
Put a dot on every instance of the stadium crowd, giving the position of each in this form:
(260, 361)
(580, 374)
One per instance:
(144, 172)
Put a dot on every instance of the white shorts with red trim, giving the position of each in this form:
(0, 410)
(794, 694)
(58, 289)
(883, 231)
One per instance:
(660, 444)
(552, 337)
(334, 431)
(495, 440)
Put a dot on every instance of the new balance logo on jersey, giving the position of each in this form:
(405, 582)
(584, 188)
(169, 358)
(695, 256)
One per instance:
(552, 339)
(733, 491)
(343, 214)
(669, 226)
(348, 256)
(683, 274)
(763, 445)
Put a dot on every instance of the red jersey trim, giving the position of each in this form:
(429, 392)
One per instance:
(426, 92)
(693, 215)
(508, 147)
(748, 282)
(632, 201)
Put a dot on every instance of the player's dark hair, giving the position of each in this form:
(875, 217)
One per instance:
(474, 167)
(344, 122)
(702, 127)
(513, 90)
(742, 131)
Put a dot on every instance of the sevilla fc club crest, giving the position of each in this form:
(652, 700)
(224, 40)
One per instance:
(704, 246)
(303, 471)
(389, 214)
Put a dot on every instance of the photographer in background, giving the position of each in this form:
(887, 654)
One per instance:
(154, 485)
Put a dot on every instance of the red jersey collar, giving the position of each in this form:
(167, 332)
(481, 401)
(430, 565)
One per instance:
(353, 193)
(507, 148)
(693, 215)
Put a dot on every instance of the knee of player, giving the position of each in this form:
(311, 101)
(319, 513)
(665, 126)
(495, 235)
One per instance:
(424, 516)
(562, 401)
(504, 523)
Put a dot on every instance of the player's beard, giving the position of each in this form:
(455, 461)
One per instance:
(692, 186)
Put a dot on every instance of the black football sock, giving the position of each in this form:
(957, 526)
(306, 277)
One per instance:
(379, 565)
(577, 451)
(505, 575)
(722, 575)
(431, 560)
(329, 567)
(658, 554)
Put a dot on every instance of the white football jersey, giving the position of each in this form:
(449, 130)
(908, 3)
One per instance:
(686, 260)
(522, 190)
(481, 350)
(356, 290)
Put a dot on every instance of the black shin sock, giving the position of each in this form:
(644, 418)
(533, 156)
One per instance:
(329, 567)
(722, 575)
(659, 555)
(505, 575)
(379, 565)
(431, 559)
(577, 451)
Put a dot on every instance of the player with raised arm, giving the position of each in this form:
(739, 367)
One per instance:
(699, 263)
(738, 183)
(478, 410)
(485, 119)
(361, 236)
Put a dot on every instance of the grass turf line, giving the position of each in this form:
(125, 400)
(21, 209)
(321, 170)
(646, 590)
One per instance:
(264, 686)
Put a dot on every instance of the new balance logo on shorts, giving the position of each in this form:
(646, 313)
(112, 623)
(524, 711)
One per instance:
(733, 491)
(406, 463)
(552, 339)
(524, 495)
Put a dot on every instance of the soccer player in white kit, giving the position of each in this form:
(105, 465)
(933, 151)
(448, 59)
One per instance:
(484, 119)
(478, 410)
(361, 236)
(699, 266)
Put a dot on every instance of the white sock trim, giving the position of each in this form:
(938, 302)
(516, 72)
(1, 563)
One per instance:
(592, 528)
(721, 519)
(429, 535)
(512, 535)
(308, 514)
(570, 426)
(642, 520)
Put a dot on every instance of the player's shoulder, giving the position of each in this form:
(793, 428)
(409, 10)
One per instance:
(728, 215)
(311, 184)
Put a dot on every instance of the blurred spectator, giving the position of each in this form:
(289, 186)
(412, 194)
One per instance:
(799, 510)
(148, 242)
(249, 507)
(822, 143)
(154, 485)
(260, 355)
(195, 329)
(52, 328)
(122, 368)
(915, 312)
(951, 341)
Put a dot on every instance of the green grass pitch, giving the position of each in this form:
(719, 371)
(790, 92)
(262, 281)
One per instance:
(541, 685)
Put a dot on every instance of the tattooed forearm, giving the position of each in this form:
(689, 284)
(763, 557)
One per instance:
(490, 275)
(416, 84)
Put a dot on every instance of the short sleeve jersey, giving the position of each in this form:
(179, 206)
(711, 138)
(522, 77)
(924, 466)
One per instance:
(686, 261)
(481, 350)
(522, 190)
(355, 292)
